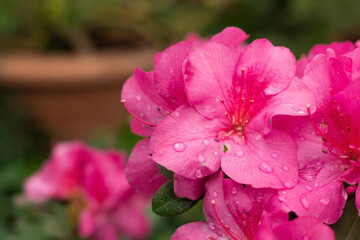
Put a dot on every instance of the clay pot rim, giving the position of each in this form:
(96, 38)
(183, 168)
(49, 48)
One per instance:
(69, 70)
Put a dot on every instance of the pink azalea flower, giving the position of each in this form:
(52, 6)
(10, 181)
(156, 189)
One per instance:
(328, 142)
(339, 48)
(152, 96)
(94, 180)
(236, 212)
(233, 94)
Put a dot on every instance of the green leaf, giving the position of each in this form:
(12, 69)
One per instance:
(166, 203)
(348, 226)
(167, 173)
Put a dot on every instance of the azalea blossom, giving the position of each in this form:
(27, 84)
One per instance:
(233, 94)
(151, 96)
(236, 212)
(328, 141)
(95, 181)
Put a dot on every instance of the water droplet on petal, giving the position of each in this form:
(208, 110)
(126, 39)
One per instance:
(274, 155)
(233, 190)
(198, 173)
(138, 98)
(239, 153)
(258, 137)
(171, 69)
(295, 129)
(304, 202)
(287, 185)
(265, 167)
(211, 225)
(324, 201)
(215, 194)
(175, 114)
(316, 184)
(216, 153)
(308, 188)
(201, 158)
(179, 146)
(206, 142)
(285, 168)
(281, 198)
(306, 237)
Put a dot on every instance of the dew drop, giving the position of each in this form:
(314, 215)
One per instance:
(324, 201)
(308, 188)
(239, 153)
(233, 190)
(171, 70)
(274, 155)
(306, 237)
(175, 114)
(258, 137)
(179, 146)
(295, 129)
(201, 158)
(212, 225)
(215, 194)
(304, 202)
(285, 168)
(265, 167)
(198, 173)
(281, 198)
(287, 185)
(206, 142)
(216, 153)
(316, 184)
(138, 98)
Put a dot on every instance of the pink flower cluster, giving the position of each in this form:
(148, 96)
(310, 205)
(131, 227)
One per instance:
(94, 182)
(285, 133)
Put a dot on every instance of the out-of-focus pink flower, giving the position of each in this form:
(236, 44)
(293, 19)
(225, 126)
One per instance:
(152, 96)
(233, 94)
(339, 48)
(236, 212)
(328, 142)
(95, 180)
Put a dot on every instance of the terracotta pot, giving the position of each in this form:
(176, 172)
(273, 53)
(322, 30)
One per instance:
(72, 96)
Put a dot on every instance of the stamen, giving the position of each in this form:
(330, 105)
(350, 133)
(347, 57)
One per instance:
(219, 220)
(140, 120)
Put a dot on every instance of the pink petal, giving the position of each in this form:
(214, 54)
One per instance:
(141, 171)
(140, 128)
(210, 70)
(216, 211)
(339, 48)
(262, 162)
(140, 101)
(169, 77)
(230, 36)
(357, 200)
(194, 230)
(132, 221)
(264, 63)
(185, 143)
(189, 188)
(322, 196)
(304, 228)
(87, 225)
